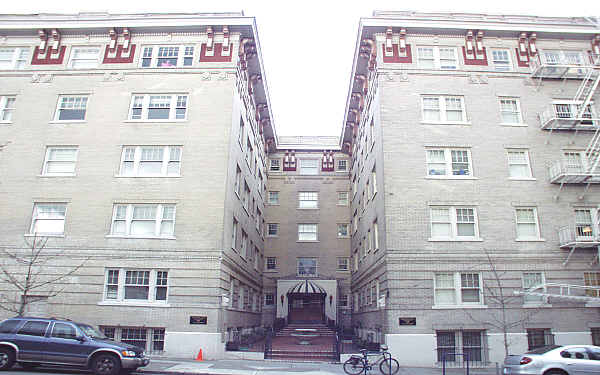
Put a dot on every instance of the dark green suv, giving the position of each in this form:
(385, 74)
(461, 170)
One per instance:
(37, 341)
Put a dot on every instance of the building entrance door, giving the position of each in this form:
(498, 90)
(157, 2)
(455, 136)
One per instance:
(306, 308)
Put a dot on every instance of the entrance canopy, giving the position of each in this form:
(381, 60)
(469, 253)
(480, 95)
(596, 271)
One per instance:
(306, 287)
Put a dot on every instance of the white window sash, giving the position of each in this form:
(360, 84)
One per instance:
(7, 110)
(86, 62)
(517, 111)
(308, 232)
(136, 169)
(146, 106)
(535, 223)
(526, 163)
(60, 102)
(154, 57)
(57, 219)
(438, 62)
(443, 109)
(448, 163)
(457, 289)
(17, 60)
(453, 221)
(121, 285)
(501, 65)
(158, 220)
(48, 161)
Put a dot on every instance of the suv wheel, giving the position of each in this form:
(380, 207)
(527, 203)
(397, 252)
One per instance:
(7, 358)
(106, 364)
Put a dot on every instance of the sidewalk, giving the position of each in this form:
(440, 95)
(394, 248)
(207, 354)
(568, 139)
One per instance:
(250, 367)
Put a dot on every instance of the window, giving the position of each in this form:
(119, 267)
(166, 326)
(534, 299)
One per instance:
(584, 225)
(308, 199)
(532, 280)
(596, 340)
(234, 231)
(307, 232)
(63, 331)
(510, 111)
(274, 165)
(7, 107)
(33, 328)
(246, 197)
(48, 219)
(143, 220)
(592, 279)
(449, 162)
(60, 161)
(342, 264)
(152, 340)
(269, 299)
(307, 267)
(342, 230)
(147, 107)
(272, 230)
(167, 56)
(444, 58)
(136, 285)
(244, 249)
(342, 198)
(343, 300)
(453, 289)
(501, 60)
(375, 236)
(13, 57)
(454, 223)
(373, 183)
(150, 161)
(518, 164)
(471, 342)
(273, 197)
(271, 263)
(342, 165)
(538, 337)
(71, 108)
(443, 109)
(527, 223)
(84, 57)
(570, 110)
(557, 57)
(309, 166)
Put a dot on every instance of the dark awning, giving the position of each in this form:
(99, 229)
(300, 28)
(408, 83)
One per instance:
(306, 287)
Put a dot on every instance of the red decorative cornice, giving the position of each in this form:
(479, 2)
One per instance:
(47, 59)
(217, 57)
(475, 61)
(119, 59)
(396, 58)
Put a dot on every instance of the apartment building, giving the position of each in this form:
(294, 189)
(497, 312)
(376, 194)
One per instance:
(474, 202)
(307, 270)
(136, 144)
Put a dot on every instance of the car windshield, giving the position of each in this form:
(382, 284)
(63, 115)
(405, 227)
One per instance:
(91, 331)
(543, 349)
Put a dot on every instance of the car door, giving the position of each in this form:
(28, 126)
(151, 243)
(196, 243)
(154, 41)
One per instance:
(31, 341)
(578, 361)
(595, 358)
(66, 345)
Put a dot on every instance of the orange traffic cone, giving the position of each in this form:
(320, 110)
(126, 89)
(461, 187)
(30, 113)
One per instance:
(199, 356)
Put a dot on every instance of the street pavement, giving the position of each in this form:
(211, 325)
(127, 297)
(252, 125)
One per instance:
(257, 367)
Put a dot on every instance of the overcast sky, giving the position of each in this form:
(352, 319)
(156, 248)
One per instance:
(308, 46)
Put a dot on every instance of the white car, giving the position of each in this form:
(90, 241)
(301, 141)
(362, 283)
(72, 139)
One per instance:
(555, 360)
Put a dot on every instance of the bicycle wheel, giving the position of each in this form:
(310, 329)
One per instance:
(389, 364)
(354, 366)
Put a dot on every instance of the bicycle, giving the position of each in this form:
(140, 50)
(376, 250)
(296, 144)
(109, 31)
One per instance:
(356, 365)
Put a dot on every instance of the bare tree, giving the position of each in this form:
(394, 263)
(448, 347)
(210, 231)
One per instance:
(497, 294)
(26, 271)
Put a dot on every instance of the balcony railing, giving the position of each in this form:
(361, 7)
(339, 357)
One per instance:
(580, 235)
(551, 119)
(566, 291)
(562, 66)
(566, 172)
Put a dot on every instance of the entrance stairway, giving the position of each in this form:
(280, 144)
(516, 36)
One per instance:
(286, 346)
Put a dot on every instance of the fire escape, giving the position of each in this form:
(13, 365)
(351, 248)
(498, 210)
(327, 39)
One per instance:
(581, 167)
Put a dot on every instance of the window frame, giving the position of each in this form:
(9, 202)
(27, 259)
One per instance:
(443, 110)
(271, 263)
(453, 222)
(17, 57)
(347, 235)
(60, 102)
(308, 200)
(274, 165)
(536, 223)
(518, 112)
(340, 162)
(59, 174)
(508, 64)
(5, 110)
(340, 264)
(304, 169)
(436, 58)
(145, 107)
(527, 164)
(276, 233)
(448, 163)
(153, 286)
(34, 219)
(96, 63)
(457, 289)
(272, 194)
(316, 232)
(343, 201)
(154, 56)
(534, 300)
(305, 274)
(128, 220)
(137, 160)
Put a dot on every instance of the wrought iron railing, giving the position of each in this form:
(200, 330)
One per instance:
(578, 234)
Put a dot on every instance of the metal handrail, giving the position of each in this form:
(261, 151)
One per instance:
(465, 356)
(549, 115)
(569, 234)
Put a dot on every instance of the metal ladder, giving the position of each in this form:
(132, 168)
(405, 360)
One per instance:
(584, 94)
